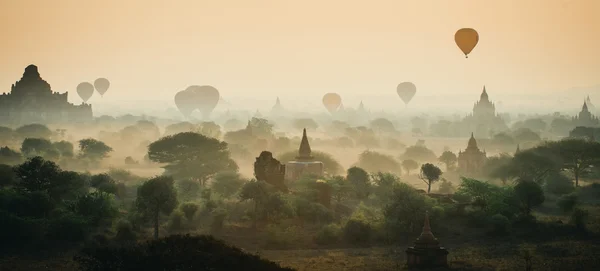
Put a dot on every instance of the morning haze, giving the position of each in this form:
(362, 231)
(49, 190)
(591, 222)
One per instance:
(300, 135)
(262, 49)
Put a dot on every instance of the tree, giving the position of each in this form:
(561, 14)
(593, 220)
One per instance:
(227, 183)
(93, 149)
(303, 123)
(6, 135)
(406, 210)
(529, 194)
(104, 183)
(587, 133)
(65, 148)
(149, 129)
(191, 156)
(536, 124)
(430, 174)
(39, 175)
(340, 188)
(449, 159)
(377, 162)
(257, 191)
(526, 135)
(533, 164)
(7, 176)
(180, 127)
(577, 155)
(497, 167)
(382, 125)
(409, 165)
(39, 147)
(9, 157)
(210, 129)
(261, 127)
(360, 182)
(34, 131)
(156, 196)
(384, 184)
(419, 153)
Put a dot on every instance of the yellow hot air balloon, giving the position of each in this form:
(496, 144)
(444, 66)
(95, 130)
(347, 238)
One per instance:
(466, 39)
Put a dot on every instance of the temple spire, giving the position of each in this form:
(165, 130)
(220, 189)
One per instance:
(585, 107)
(426, 239)
(304, 151)
(472, 142)
(518, 149)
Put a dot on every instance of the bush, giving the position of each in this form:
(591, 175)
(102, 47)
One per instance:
(446, 187)
(312, 212)
(125, 232)
(357, 232)
(189, 209)
(567, 202)
(579, 218)
(176, 221)
(328, 234)
(558, 184)
(218, 220)
(500, 224)
(68, 227)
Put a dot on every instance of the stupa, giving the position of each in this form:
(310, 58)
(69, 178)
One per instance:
(304, 163)
(427, 252)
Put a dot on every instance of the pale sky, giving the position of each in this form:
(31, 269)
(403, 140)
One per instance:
(299, 50)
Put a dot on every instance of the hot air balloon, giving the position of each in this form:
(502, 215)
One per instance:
(85, 91)
(185, 102)
(206, 99)
(101, 85)
(466, 39)
(406, 91)
(332, 102)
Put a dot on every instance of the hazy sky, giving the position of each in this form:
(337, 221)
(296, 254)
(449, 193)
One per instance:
(151, 49)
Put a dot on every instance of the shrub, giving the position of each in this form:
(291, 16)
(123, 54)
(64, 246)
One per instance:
(328, 234)
(189, 209)
(125, 232)
(68, 227)
(500, 224)
(558, 184)
(579, 217)
(446, 187)
(357, 232)
(218, 220)
(567, 202)
(312, 212)
(176, 221)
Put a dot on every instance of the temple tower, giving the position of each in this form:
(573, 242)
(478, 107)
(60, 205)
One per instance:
(304, 163)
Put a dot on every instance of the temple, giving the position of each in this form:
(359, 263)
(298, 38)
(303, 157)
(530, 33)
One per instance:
(304, 163)
(484, 118)
(277, 110)
(427, 252)
(31, 100)
(585, 118)
(590, 105)
(471, 160)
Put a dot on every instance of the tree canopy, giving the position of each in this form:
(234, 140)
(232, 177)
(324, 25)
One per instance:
(191, 156)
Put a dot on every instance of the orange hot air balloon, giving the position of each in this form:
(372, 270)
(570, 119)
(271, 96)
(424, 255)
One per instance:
(332, 102)
(466, 39)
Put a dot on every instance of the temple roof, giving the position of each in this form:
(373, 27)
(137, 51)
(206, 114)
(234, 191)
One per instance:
(484, 95)
(472, 143)
(304, 151)
(585, 107)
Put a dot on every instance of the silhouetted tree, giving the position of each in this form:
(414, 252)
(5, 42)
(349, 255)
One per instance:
(382, 125)
(65, 148)
(577, 155)
(9, 157)
(377, 162)
(191, 156)
(227, 183)
(34, 131)
(210, 129)
(529, 194)
(340, 188)
(449, 159)
(39, 147)
(93, 149)
(103, 183)
(419, 153)
(258, 192)
(430, 174)
(409, 165)
(156, 196)
(497, 167)
(360, 181)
